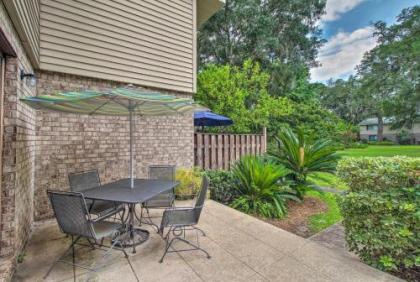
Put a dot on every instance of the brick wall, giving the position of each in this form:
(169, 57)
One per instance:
(68, 142)
(40, 149)
(18, 156)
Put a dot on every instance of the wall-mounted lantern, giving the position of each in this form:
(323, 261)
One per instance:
(30, 78)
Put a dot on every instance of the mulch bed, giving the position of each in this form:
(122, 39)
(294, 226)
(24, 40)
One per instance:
(297, 217)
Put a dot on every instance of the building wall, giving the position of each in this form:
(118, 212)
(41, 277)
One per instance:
(391, 134)
(68, 142)
(148, 42)
(18, 156)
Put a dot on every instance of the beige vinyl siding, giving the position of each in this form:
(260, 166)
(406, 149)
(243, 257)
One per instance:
(145, 42)
(25, 16)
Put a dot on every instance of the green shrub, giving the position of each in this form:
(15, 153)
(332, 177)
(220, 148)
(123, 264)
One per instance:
(382, 227)
(303, 156)
(382, 143)
(189, 182)
(379, 173)
(222, 187)
(259, 184)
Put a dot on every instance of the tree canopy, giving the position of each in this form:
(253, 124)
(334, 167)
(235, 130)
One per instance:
(281, 35)
(387, 79)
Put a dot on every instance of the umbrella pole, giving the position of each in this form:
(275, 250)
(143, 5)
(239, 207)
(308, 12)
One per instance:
(131, 149)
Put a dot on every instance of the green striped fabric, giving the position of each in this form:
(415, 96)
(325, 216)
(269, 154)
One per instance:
(116, 102)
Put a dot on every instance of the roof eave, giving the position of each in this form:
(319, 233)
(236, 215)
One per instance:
(206, 8)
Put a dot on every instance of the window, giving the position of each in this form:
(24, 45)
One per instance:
(372, 127)
(373, 137)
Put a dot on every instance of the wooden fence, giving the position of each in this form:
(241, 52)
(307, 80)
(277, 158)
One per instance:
(220, 151)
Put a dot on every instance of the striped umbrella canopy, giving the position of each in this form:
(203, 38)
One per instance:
(115, 102)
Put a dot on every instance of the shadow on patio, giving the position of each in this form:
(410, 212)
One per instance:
(242, 248)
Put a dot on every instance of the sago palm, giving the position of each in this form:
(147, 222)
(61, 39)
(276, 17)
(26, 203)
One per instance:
(303, 157)
(259, 183)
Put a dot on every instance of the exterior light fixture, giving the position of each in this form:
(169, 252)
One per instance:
(30, 78)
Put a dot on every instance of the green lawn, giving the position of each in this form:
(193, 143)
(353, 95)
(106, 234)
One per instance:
(323, 220)
(384, 151)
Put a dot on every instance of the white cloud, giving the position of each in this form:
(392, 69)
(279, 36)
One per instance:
(341, 54)
(335, 8)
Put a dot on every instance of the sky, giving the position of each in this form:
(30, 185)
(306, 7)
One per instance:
(347, 25)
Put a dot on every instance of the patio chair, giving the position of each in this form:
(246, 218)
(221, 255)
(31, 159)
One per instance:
(182, 219)
(80, 181)
(163, 200)
(74, 219)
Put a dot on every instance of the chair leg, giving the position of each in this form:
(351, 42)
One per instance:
(181, 237)
(113, 246)
(74, 262)
(200, 230)
(70, 248)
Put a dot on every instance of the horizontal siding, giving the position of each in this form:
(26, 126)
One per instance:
(25, 15)
(145, 42)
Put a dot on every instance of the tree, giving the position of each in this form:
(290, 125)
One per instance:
(241, 94)
(390, 72)
(387, 81)
(281, 35)
(344, 97)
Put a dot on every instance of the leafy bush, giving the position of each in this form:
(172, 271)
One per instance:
(259, 184)
(379, 173)
(382, 227)
(304, 157)
(381, 218)
(189, 182)
(382, 143)
(222, 188)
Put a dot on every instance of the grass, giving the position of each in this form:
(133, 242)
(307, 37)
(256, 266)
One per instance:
(327, 180)
(383, 151)
(321, 221)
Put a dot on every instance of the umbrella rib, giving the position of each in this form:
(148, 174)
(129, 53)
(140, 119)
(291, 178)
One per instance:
(98, 108)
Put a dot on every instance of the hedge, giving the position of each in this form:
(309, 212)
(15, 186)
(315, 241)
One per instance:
(221, 186)
(381, 213)
(379, 173)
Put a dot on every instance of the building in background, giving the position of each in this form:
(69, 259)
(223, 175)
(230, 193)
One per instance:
(48, 46)
(369, 131)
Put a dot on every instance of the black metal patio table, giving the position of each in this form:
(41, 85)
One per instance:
(120, 191)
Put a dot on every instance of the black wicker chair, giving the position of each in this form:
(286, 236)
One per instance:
(80, 181)
(181, 219)
(163, 200)
(74, 219)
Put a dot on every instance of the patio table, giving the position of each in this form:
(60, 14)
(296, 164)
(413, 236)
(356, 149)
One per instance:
(120, 191)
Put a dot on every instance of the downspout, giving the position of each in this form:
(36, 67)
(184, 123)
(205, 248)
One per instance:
(2, 75)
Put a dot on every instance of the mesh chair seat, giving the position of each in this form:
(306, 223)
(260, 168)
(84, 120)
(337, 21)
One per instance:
(81, 181)
(180, 217)
(179, 220)
(163, 200)
(74, 219)
(106, 229)
(103, 207)
(166, 199)
(160, 201)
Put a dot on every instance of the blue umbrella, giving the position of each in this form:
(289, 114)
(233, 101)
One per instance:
(204, 118)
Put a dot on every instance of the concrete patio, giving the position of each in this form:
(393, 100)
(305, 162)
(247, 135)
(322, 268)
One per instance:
(242, 249)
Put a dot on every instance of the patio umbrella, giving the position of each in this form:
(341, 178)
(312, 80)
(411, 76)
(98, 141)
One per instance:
(115, 102)
(205, 118)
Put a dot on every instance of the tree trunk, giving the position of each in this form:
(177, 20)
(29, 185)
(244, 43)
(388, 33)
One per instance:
(380, 128)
